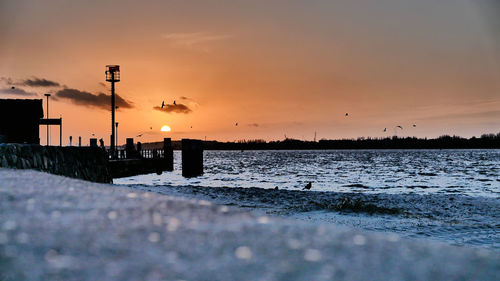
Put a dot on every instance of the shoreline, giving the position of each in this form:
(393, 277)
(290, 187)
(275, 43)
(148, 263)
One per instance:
(451, 218)
(486, 141)
(74, 230)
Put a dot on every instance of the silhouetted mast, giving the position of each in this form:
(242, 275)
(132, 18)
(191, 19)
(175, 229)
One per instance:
(112, 75)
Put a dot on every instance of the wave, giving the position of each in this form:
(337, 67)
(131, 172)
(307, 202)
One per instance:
(446, 207)
(455, 218)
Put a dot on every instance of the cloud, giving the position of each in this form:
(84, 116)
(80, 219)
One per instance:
(193, 40)
(39, 82)
(32, 82)
(83, 98)
(191, 103)
(486, 114)
(174, 108)
(16, 91)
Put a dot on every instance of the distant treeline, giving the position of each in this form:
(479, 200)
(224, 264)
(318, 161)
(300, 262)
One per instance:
(488, 141)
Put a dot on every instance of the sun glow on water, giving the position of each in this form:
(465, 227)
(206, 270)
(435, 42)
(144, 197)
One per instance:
(166, 129)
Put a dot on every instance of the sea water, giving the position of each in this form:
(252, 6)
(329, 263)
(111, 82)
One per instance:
(446, 195)
(468, 172)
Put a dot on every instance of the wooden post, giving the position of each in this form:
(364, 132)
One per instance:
(129, 148)
(139, 148)
(60, 131)
(192, 158)
(168, 154)
(93, 142)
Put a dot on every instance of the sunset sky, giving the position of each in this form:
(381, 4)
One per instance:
(274, 67)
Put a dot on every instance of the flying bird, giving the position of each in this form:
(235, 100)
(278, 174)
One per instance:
(414, 125)
(139, 135)
(162, 104)
(308, 186)
(151, 128)
(399, 127)
(347, 114)
(236, 124)
(385, 129)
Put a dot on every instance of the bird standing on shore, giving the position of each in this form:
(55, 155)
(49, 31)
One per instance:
(175, 103)
(162, 104)
(308, 186)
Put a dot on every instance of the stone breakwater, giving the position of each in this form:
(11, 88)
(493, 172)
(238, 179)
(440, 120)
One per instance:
(87, 163)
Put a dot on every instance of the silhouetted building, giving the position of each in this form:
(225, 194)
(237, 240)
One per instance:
(19, 120)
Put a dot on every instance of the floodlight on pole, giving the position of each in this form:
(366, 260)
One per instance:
(112, 75)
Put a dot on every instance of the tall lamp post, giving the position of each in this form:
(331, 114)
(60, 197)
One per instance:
(113, 76)
(47, 95)
(116, 142)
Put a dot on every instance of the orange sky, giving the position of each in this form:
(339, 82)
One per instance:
(276, 67)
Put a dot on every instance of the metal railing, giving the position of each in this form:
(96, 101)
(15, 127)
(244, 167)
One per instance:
(152, 153)
(121, 154)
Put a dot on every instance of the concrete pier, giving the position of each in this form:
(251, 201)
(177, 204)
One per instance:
(87, 163)
(192, 158)
(132, 167)
(137, 161)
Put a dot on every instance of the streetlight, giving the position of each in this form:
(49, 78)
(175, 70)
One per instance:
(47, 95)
(113, 76)
(116, 124)
(116, 136)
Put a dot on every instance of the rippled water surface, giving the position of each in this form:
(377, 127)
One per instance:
(444, 195)
(467, 172)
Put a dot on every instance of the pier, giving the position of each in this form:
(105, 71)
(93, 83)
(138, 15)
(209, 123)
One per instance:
(133, 160)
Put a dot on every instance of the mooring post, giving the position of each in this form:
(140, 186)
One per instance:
(168, 154)
(139, 148)
(129, 148)
(192, 158)
(93, 142)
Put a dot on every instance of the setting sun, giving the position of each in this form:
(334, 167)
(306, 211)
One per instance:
(165, 128)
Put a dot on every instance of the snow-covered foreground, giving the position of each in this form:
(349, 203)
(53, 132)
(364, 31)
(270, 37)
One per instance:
(56, 228)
